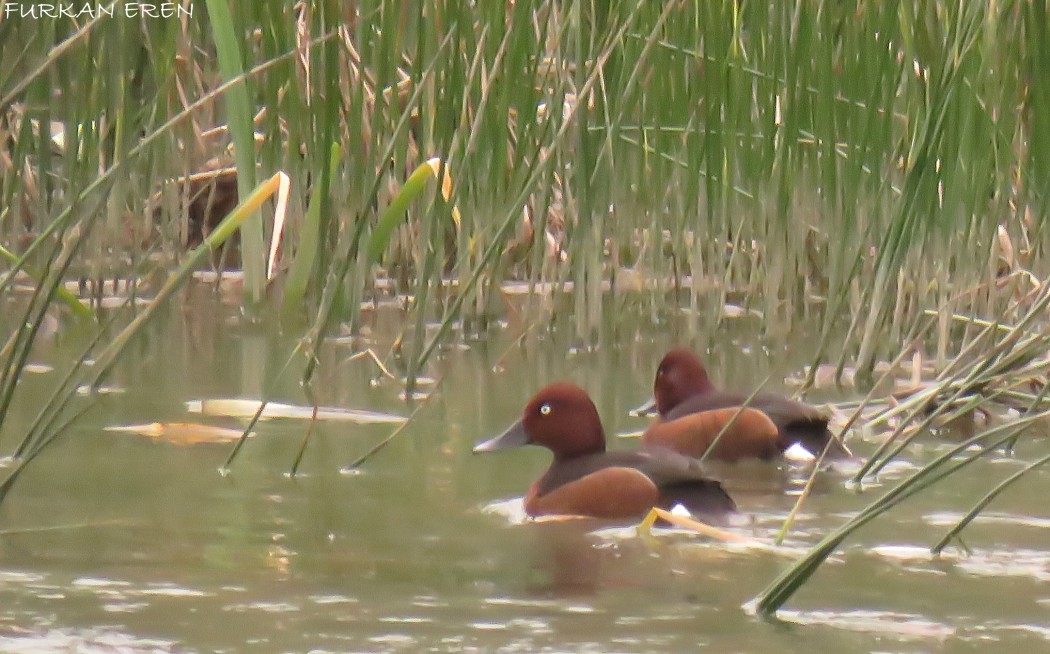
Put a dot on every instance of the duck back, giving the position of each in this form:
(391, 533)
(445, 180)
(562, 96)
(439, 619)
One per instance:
(796, 422)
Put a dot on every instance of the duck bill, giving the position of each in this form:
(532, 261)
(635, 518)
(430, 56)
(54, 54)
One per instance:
(647, 409)
(514, 436)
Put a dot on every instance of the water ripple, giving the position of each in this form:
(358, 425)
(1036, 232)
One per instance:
(905, 626)
(88, 641)
(1019, 562)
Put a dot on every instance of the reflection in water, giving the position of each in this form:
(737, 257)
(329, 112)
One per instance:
(564, 557)
(565, 560)
(570, 562)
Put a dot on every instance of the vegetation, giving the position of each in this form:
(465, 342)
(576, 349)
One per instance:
(862, 165)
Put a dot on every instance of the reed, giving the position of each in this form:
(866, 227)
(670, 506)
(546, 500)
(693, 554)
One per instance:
(804, 154)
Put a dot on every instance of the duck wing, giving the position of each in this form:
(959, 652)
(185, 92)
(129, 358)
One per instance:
(679, 479)
(796, 422)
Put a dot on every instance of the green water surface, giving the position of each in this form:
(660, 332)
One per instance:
(117, 542)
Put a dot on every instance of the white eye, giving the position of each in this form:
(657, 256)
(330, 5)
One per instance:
(545, 409)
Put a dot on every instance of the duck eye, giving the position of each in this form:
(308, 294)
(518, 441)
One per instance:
(545, 409)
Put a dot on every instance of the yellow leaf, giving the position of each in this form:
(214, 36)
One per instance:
(181, 433)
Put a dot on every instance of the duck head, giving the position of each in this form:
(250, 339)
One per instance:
(560, 417)
(680, 375)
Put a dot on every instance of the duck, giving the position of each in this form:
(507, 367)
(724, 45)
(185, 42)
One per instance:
(584, 479)
(692, 412)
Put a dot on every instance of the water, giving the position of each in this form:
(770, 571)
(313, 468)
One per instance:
(119, 542)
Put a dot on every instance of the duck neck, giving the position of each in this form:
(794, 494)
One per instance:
(585, 445)
(703, 384)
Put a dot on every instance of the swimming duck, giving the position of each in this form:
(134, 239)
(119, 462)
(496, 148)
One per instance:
(585, 479)
(693, 412)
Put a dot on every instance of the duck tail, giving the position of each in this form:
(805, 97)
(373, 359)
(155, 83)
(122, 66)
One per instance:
(814, 438)
(705, 499)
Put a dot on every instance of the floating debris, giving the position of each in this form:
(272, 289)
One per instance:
(181, 433)
(85, 389)
(244, 408)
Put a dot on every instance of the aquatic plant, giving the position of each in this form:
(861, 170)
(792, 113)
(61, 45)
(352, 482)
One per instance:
(855, 161)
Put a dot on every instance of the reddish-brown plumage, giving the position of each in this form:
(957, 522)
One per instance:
(749, 433)
(692, 413)
(584, 479)
(612, 492)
